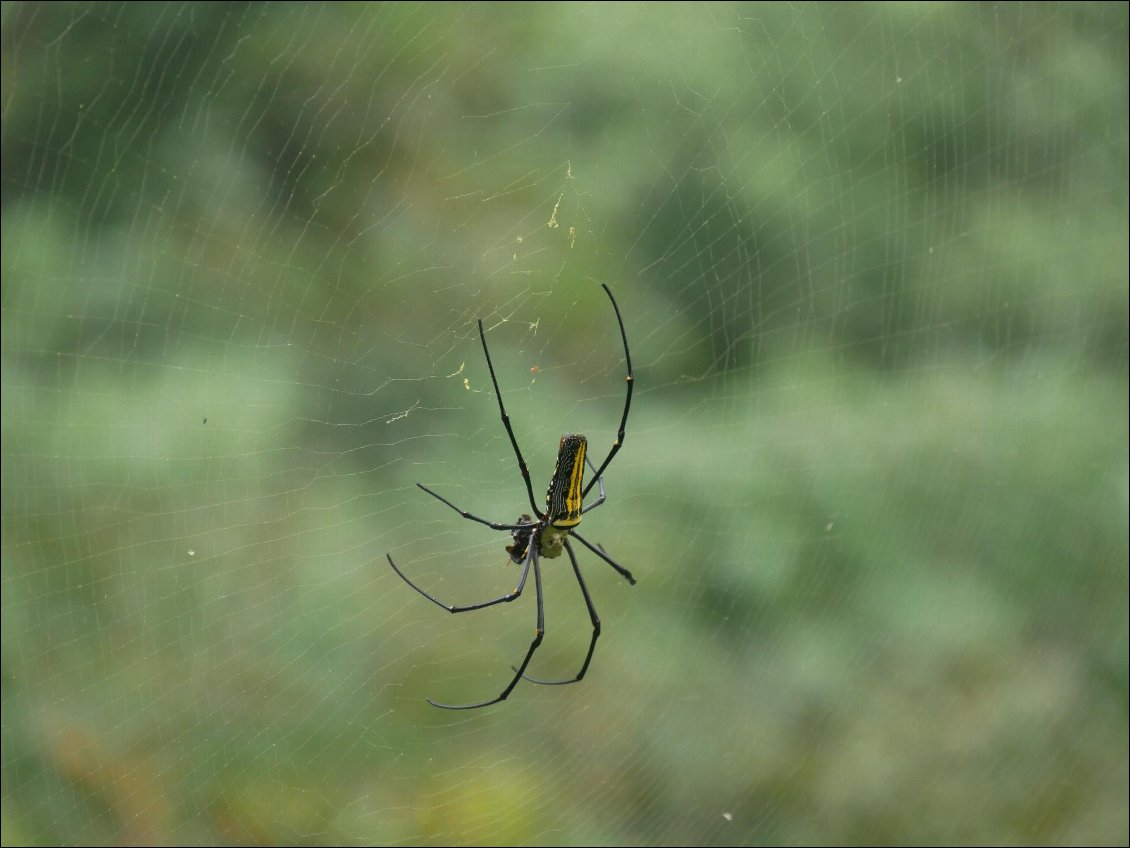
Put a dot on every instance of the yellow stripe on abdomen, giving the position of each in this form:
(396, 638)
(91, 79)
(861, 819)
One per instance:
(563, 499)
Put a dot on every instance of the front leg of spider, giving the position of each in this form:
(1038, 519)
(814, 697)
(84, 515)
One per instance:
(593, 617)
(545, 534)
(539, 632)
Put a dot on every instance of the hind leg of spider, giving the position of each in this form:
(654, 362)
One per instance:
(599, 551)
(505, 599)
(630, 379)
(506, 423)
(593, 617)
(531, 557)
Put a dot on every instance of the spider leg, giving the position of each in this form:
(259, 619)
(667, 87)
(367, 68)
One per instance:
(491, 524)
(600, 482)
(505, 599)
(510, 430)
(630, 379)
(599, 551)
(593, 617)
(531, 557)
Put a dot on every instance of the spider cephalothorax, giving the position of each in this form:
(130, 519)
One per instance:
(546, 534)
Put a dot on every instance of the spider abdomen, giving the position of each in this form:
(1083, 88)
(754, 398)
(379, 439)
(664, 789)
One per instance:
(563, 498)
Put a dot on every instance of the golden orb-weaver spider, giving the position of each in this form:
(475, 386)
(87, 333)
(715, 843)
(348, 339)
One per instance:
(549, 534)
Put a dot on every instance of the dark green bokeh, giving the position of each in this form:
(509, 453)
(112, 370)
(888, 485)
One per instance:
(873, 266)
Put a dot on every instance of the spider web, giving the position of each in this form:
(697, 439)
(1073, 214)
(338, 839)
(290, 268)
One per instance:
(872, 262)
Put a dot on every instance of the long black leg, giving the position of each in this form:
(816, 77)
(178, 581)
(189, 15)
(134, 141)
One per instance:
(630, 379)
(505, 599)
(600, 482)
(532, 556)
(510, 430)
(491, 524)
(623, 572)
(593, 617)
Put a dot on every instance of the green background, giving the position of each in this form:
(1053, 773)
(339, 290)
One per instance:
(872, 261)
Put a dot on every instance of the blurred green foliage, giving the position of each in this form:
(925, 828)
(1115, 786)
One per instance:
(873, 266)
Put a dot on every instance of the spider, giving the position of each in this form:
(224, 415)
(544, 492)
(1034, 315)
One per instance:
(548, 534)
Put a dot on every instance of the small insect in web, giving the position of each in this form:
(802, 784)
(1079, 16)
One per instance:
(549, 533)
